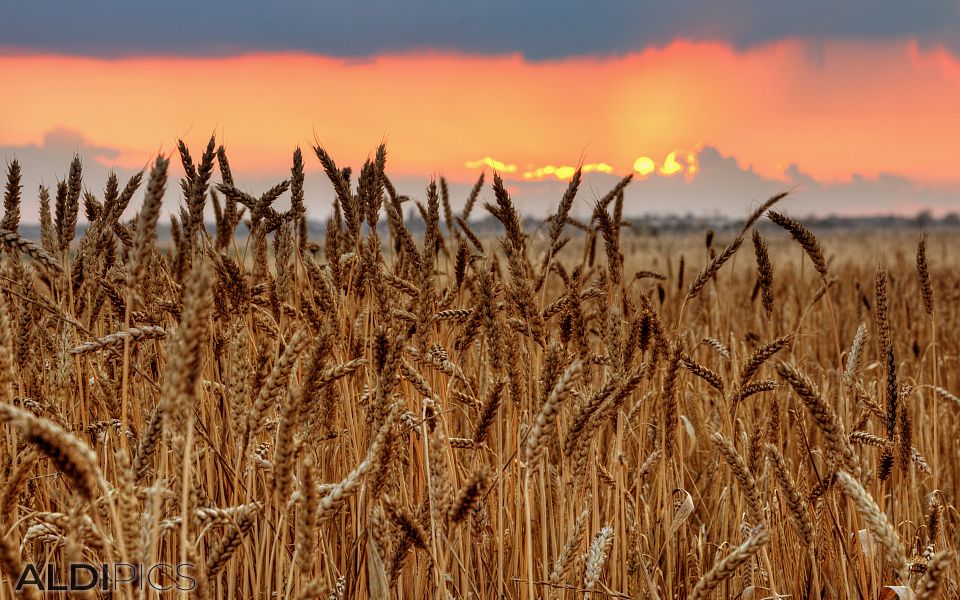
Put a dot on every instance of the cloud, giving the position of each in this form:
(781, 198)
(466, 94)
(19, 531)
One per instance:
(723, 177)
(61, 141)
(49, 161)
(539, 29)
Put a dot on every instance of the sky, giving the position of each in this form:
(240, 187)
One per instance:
(852, 105)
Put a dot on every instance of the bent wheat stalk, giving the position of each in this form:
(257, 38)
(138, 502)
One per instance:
(727, 567)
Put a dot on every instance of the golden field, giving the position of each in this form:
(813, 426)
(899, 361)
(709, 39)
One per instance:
(566, 410)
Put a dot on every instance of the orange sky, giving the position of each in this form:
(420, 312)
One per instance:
(834, 109)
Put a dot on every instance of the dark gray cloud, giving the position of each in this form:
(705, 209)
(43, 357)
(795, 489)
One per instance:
(538, 29)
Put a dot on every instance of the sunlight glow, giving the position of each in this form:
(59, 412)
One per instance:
(598, 167)
(677, 161)
(494, 164)
(693, 166)
(566, 172)
(644, 166)
(670, 165)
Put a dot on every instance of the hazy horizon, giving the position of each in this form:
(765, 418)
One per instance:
(721, 187)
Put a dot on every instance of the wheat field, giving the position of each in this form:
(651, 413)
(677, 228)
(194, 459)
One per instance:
(409, 409)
